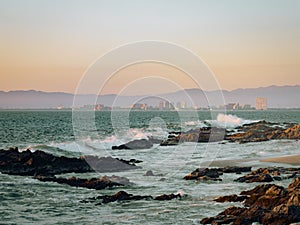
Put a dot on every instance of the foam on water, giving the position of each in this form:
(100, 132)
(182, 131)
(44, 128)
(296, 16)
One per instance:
(229, 121)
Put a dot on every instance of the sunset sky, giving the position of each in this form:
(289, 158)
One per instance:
(48, 45)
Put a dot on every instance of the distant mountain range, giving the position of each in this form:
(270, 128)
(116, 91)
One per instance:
(277, 97)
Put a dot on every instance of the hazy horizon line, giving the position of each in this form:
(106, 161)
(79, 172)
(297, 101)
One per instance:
(171, 91)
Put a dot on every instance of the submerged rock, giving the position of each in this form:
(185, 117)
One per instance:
(265, 204)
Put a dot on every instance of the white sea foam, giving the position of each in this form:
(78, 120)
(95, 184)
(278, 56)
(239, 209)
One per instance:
(229, 121)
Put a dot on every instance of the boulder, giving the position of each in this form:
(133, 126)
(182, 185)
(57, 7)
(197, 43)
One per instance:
(135, 144)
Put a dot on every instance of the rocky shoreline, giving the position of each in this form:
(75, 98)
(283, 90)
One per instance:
(28, 163)
(268, 204)
(254, 132)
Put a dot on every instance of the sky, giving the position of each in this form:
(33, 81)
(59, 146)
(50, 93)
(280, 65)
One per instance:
(50, 45)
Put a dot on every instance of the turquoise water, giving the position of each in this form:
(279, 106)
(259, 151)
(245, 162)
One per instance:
(28, 201)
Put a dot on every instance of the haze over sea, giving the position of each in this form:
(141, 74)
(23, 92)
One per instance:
(28, 201)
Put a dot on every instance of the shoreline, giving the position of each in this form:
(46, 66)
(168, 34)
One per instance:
(291, 160)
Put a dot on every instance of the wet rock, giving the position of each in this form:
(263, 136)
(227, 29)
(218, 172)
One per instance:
(236, 169)
(213, 174)
(149, 173)
(206, 134)
(94, 183)
(135, 144)
(165, 197)
(255, 178)
(230, 198)
(290, 133)
(269, 174)
(204, 174)
(154, 140)
(124, 196)
(264, 131)
(170, 142)
(268, 204)
(29, 163)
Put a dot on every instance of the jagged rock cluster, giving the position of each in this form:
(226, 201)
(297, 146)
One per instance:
(29, 163)
(124, 196)
(268, 204)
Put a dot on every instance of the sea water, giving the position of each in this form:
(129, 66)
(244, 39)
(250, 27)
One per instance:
(24, 200)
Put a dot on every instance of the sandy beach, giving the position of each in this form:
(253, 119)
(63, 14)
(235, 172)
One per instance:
(292, 160)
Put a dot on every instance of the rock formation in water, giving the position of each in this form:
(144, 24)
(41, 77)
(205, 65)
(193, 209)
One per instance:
(269, 174)
(93, 183)
(264, 131)
(135, 144)
(205, 174)
(29, 163)
(254, 132)
(124, 196)
(206, 134)
(267, 204)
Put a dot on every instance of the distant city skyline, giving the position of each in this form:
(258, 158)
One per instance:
(48, 45)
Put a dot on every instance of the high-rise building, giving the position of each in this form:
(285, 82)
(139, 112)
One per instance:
(161, 105)
(261, 104)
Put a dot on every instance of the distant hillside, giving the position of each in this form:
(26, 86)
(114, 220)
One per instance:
(277, 97)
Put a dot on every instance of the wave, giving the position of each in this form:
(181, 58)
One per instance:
(229, 121)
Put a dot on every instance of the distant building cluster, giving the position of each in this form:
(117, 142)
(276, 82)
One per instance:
(260, 104)
(162, 105)
(237, 106)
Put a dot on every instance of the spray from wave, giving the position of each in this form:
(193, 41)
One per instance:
(229, 121)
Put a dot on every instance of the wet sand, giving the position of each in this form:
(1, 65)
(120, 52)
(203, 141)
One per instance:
(292, 160)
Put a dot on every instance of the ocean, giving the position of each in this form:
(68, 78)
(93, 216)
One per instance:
(24, 200)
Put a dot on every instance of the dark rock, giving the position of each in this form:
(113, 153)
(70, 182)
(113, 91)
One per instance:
(269, 174)
(94, 183)
(230, 198)
(124, 196)
(204, 174)
(29, 163)
(206, 134)
(265, 204)
(214, 173)
(149, 173)
(109, 164)
(170, 142)
(264, 131)
(236, 169)
(165, 197)
(255, 178)
(154, 140)
(135, 144)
